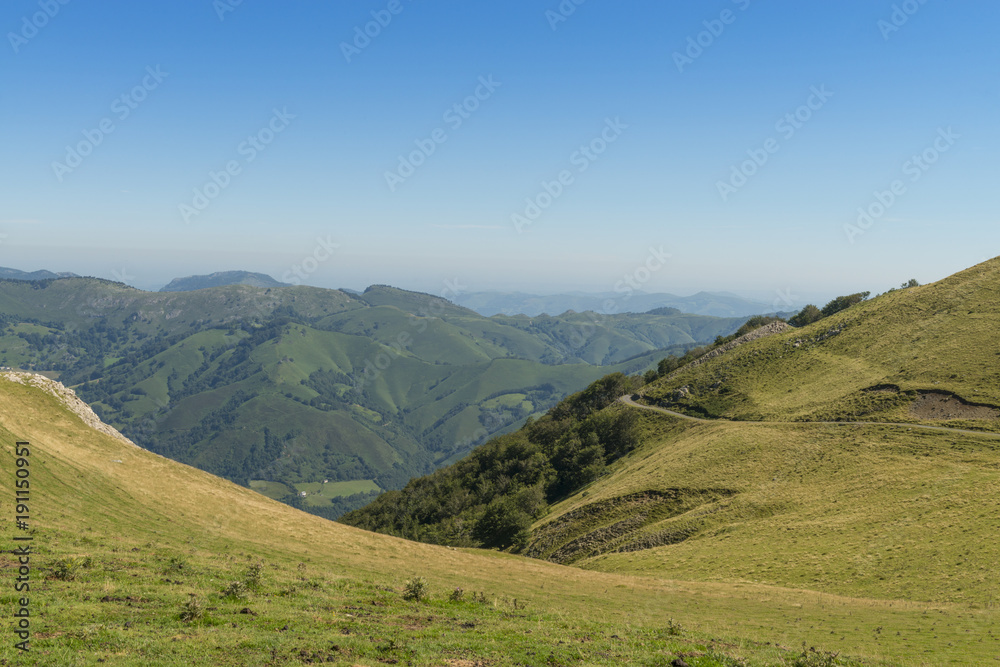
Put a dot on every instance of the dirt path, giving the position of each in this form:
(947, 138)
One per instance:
(627, 400)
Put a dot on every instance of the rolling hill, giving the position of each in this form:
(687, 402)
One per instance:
(139, 560)
(17, 274)
(858, 456)
(298, 390)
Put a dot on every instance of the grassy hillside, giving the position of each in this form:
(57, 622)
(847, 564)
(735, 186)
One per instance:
(296, 385)
(770, 490)
(872, 361)
(895, 513)
(124, 542)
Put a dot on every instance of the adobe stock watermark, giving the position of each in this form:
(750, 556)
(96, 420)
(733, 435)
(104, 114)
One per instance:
(30, 25)
(630, 283)
(633, 282)
(901, 13)
(122, 275)
(453, 117)
(914, 168)
(562, 13)
(248, 149)
(581, 158)
(223, 7)
(363, 35)
(784, 299)
(323, 251)
(491, 422)
(433, 307)
(122, 107)
(787, 126)
(697, 44)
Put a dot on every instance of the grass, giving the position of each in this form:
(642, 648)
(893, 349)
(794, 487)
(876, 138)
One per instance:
(320, 493)
(154, 534)
(895, 516)
(273, 490)
(938, 337)
(802, 540)
(854, 511)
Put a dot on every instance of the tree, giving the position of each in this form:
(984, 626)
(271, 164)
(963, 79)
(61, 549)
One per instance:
(807, 315)
(503, 524)
(844, 302)
(597, 396)
(578, 461)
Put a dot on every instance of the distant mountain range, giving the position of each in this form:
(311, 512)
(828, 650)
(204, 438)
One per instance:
(519, 303)
(221, 279)
(711, 304)
(289, 386)
(15, 274)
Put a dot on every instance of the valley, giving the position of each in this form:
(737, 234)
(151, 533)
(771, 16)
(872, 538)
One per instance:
(284, 387)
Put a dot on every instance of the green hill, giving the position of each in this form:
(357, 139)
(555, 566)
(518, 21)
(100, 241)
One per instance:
(876, 361)
(855, 457)
(219, 279)
(294, 386)
(125, 545)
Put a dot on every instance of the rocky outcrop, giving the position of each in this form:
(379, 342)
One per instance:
(68, 398)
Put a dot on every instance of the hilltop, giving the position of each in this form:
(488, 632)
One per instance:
(221, 279)
(873, 361)
(42, 274)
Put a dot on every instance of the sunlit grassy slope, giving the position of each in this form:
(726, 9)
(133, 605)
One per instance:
(887, 512)
(149, 533)
(940, 337)
(852, 510)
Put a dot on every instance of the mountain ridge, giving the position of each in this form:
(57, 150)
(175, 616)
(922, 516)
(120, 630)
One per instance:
(520, 303)
(285, 387)
(221, 279)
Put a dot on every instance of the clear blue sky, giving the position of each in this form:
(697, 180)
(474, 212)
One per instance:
(200, 78)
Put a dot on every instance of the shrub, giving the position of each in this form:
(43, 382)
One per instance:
(65, 569)
(175, 566)
(843, 302)
(192, 610)
(502, 524)
(457, 595)
(807, 315)
(812, 658)
(415, 589)
(254, 576)
(236, 590)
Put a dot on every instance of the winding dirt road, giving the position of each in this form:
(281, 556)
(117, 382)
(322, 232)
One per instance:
(627, 400)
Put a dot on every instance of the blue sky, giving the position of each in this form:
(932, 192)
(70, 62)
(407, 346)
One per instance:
(739, 137)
